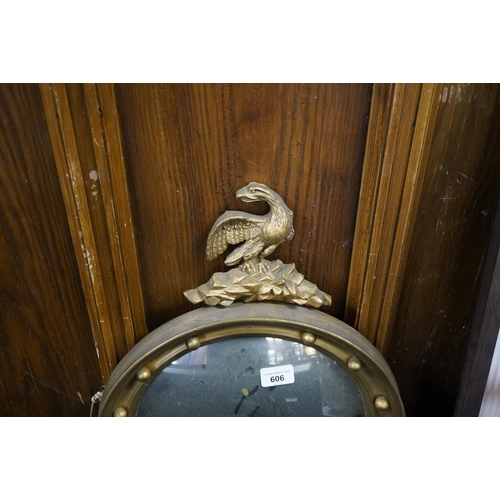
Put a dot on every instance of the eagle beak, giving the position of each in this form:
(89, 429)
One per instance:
(245, 195)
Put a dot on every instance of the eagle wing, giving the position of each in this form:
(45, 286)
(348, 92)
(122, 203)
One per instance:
(232, 227)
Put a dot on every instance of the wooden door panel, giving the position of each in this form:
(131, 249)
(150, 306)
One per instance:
(454, 220)
(47, 355)
(188, 148)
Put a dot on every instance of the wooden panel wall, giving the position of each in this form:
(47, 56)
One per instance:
(483, 336)
(448, 246)
(109, 192)
(86, 142)
(401, 124)
(48, 358)
(189, 148)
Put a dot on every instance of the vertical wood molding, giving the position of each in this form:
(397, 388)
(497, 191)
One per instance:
(417, 165)
(63, 140)
(390, 190)
(115, 327)
(382, 98)
(103, 117)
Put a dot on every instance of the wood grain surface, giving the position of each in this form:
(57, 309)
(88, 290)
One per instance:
(382, 104)
(402, 120)
(106, 141)
(484, 332)
(189, 148)
(109, 191)
(71, 168)
(390, 188)
(47, 355)
(457, 204)
(83, 124)
(411, 191)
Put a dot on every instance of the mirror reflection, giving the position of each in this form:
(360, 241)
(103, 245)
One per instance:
(253, 377)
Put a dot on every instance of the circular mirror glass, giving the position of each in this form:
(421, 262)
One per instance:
(253, 376)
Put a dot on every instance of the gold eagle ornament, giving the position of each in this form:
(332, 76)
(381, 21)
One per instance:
(258, 236)
(261, 233)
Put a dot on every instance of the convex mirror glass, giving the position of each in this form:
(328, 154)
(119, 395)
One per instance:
(253, 377)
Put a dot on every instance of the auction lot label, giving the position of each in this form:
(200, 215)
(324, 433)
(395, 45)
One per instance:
(277, 375)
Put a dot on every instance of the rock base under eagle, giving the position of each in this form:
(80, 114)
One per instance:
(280, 282)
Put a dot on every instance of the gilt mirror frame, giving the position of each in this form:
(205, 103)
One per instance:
(206, 325)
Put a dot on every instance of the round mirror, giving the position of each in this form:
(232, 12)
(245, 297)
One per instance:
(253, 377)
(256, 360)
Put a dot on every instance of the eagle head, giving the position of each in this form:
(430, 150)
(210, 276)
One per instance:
(256, 192)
